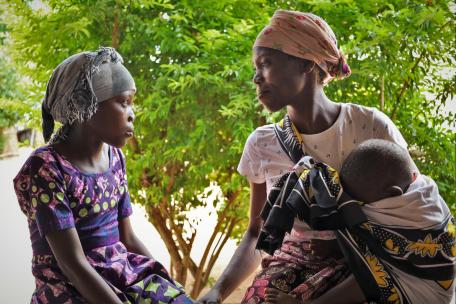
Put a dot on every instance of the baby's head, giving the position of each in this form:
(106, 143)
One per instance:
(375, 170)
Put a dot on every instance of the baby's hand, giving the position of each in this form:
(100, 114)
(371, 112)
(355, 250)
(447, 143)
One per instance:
(325, 248)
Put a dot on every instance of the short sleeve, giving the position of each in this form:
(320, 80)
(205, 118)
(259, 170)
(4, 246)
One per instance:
(125, 209)
(384, 128)
(48, 200)
(250, 163)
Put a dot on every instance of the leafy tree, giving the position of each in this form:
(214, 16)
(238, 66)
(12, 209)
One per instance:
(199, 64)
(403, 57)
(190, 61)
(195, 104)
(10, 95)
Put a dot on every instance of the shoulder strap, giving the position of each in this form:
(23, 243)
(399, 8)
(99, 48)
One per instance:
(289, 138)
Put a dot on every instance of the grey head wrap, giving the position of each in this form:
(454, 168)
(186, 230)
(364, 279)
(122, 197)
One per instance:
(78, 84)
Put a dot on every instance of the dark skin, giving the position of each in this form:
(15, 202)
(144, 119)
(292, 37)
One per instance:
(281, 82)
(337, 294)
(86, 148)
(377, 191)
(284, 81)
(112, 124)
(381, 187)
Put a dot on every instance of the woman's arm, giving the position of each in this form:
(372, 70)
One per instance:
(130, 240)
(67, 249)
(245, 259)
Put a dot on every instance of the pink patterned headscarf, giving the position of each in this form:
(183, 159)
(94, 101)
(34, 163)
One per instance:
(306, 36)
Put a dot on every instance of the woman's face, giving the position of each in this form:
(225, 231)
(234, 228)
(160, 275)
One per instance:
(113, 121)
(279, 78)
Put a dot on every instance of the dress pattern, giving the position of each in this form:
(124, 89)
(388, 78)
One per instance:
(54, 195)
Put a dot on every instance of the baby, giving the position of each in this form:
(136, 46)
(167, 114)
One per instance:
(375, 170)
(396, 234)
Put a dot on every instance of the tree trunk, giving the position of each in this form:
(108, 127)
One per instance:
(156, 218)
(179, 247)
(202, 275)
(180, 273)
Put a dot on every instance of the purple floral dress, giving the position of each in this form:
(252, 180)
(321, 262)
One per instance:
(55, 195)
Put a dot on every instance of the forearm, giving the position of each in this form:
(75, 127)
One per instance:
(72, 261)
(89, 283)
(347, 292)
(244, 261)
(134, 245)
(130, 240)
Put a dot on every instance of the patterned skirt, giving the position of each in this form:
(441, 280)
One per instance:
(294, 270)
(134, 278)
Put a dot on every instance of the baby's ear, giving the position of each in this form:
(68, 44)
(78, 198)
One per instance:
(394, 191)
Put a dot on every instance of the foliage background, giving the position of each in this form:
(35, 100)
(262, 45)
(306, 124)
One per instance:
(196, 106)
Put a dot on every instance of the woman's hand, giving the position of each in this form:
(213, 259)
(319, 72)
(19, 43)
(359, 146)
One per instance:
(212, 297)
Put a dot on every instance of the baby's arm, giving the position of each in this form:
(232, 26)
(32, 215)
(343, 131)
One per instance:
(67, 249)
(130, 240)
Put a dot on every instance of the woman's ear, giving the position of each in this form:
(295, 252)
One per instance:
(307, 66)
(394, 191)
(414, 176)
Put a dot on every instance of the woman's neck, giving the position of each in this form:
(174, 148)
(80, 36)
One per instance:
(84, 151)
(314, 113)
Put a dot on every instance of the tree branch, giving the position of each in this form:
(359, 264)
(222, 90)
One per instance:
(220, 220)
(405, 86)
(159, 223)
(203, 273)
(215, 255)
(115, 29)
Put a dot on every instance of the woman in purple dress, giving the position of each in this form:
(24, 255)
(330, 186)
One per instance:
(74, 192)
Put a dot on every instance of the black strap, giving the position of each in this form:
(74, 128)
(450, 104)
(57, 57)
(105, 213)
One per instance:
(289, 140)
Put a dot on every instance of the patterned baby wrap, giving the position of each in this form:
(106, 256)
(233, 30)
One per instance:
(313, 194)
